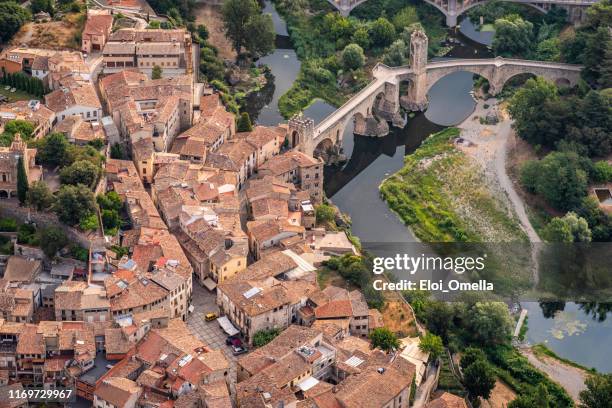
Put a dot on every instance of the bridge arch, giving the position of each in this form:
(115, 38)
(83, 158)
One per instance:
(462, 11)
(435, 75)
(323, 147)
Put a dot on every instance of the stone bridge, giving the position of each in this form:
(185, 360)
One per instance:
(407, 86)
(452, 9)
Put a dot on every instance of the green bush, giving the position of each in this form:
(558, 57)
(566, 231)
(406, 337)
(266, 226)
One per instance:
(263, 337)
(8, 225)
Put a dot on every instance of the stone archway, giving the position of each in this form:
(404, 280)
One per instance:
(4, 194)
(324, 149)
(295, 138)
(563, 83)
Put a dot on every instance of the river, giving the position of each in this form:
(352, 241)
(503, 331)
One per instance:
(353, 187)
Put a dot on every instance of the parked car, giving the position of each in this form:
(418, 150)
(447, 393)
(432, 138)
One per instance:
(234, 341)
(236, 350)
(210, 316)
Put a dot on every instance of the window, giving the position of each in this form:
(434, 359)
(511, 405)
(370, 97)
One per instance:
(88, 114)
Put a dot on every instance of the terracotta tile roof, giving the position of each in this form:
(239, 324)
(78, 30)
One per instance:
(116, 342)
(270, 265)
(98, 24)
(290, 339)
(447, 400)
(79, 95)
(268, 186)
(264, 230)
(30, 341)
(284, 163)
(150, 378)
(270, 207)
(374, 388)
(262, 135)
(334, 309)
(117, 391)
(19, 269)
(216, 394)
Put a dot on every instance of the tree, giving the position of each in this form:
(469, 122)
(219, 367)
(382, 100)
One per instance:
(39, 196)
(479, 379)
(244, 123)
(439, 317)
(406, 16)
(89, 223)
(525, 106)
(52, 239)
(80, 172)
(353, 57)
(117, 152)
(561, 178)
(432, 344)
(569, 228)
(12, 17)
(53, 150)
(23, 127)
(593, 54)
(74, 203)
(22, 181)
(325, 214)
(470, 355)
(110, 201)
(396, 54)
(263, 337)
(202, 32)
(537, 399)
(41, 5)
(236, 15)
(489, 322)
(111, 219)
(605, 72)
(598, 392)
(156, 73)
(260, 35)
(361, 37)
(382, 32)
(513, 36)
(384, 339)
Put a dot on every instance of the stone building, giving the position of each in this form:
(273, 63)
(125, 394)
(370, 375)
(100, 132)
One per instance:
(9, 158)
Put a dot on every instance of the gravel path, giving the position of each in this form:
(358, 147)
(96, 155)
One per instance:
(490, 147)
(570, 378)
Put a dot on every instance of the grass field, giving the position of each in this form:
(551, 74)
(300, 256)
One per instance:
(18, 95)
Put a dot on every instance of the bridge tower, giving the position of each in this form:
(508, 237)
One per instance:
(417, 94)
(301, 134)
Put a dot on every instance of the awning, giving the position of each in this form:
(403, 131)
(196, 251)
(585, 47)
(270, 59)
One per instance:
(227, 326)
(209, 284)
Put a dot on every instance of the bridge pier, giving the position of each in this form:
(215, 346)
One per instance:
(451, 20)
(370, 126)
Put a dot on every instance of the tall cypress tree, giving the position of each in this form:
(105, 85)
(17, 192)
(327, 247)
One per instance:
(22, 181)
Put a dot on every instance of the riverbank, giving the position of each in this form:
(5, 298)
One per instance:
(446, 193)
(567, 374)
(443, 196)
